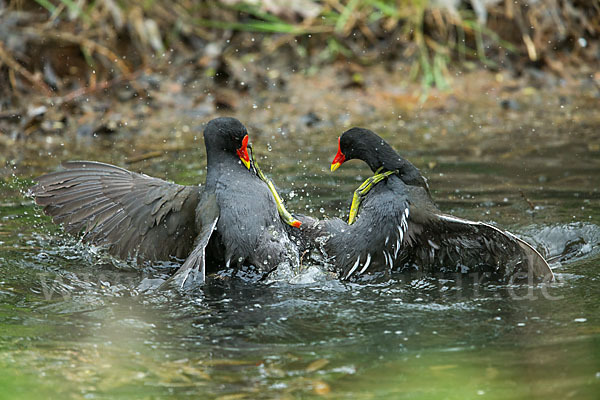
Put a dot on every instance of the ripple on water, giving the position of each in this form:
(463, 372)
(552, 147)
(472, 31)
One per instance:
(94, 326)
(565, 242)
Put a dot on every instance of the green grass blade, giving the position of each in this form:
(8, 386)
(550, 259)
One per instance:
(75, 9)
(345, 16)
(47, 5)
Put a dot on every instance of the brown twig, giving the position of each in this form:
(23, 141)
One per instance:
(10, 114)
(14, 65)
(531, 205)
(93, 47)
(88, 44)
(84, 91)
(364, 28)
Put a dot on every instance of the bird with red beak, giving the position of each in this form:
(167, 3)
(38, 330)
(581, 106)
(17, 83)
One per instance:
(339, 157)
(135, 215)
(242, 152)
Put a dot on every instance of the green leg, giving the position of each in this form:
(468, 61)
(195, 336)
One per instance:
(285, 215)
(362, 191)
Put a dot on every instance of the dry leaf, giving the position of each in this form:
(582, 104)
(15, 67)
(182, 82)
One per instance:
(317, 365)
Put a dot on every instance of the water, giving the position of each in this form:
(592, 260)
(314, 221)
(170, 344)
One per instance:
(74, 323)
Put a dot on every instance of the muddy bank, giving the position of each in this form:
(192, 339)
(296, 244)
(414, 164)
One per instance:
(56, 46)
(161, 113)
(75, 72)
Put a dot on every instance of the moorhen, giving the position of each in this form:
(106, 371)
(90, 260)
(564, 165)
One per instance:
(395, 224)
(230, 221)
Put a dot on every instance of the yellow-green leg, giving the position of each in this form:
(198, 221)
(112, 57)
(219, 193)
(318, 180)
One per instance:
(362, 191)
(285, 215)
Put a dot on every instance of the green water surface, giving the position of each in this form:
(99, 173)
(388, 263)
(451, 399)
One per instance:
(73, 323)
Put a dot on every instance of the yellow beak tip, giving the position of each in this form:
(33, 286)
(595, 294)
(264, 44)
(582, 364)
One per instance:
(335, 166)
(246, 163)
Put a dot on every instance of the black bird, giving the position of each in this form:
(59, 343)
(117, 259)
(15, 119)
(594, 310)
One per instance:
(398, 225)
(231, 221)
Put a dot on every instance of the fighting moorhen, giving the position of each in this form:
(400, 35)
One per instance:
(230, 221)
(397, 225)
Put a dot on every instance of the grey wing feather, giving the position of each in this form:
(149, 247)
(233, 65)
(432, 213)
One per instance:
(193, 271)
(456, 241)
(132, 214)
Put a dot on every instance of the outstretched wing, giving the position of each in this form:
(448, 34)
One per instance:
(452, 244)
(133, 215)
(193, 271)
